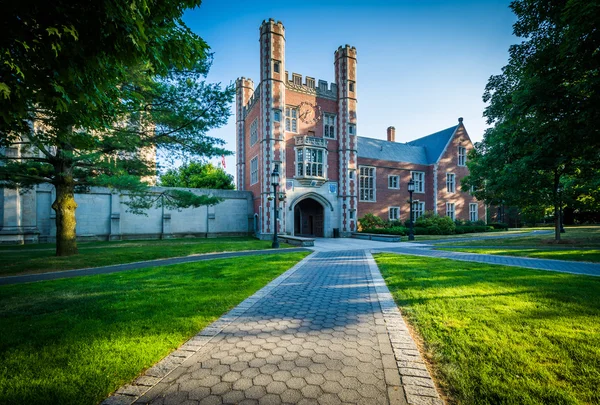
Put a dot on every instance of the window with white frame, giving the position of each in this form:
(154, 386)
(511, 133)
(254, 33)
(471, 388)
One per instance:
(393, 182)
(450, 182)
(367, 183)
(291, 119)
(418, 209)
(473, 212)
(393, 213)
(351, 214)
(462, 156)
(352, 129)
(329, 126)
(450, 210)
(277, 115)
(254, 170)
(419, 179)
(254, 132)
(351, 86)
(276, 65)
(309, 162)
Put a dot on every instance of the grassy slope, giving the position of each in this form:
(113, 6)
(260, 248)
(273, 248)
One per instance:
(74, 341)
(592, 255)
(588, 236)
(502, 335)
(29, 259)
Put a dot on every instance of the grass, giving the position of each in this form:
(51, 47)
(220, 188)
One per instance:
(74, 341)
(583, 236)
(30, 259)
(591, 255)
(420, 238)
(502, 335)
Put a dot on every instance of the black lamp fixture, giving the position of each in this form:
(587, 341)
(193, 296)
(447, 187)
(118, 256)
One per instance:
(275, 184)
(411, 189)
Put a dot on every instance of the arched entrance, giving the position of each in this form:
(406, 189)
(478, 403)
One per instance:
(309, 218)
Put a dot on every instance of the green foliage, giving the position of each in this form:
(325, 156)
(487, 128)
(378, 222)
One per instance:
(436, 224)
(499, 225)
(107, 85)
(394, 230)
(369, 221)
(198, 175)
(544, 109)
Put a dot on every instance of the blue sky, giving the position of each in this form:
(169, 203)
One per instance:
(421, 64)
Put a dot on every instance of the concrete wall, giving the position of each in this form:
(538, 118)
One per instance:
(103, 215)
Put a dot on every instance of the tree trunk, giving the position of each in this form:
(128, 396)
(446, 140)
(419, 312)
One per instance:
(556, 223)
(64, 205)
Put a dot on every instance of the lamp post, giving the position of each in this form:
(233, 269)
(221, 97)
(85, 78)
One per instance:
(411, 188)
(275, 184)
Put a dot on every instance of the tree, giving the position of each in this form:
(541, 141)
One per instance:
(198, 175)
(90, 91)
(543, 107)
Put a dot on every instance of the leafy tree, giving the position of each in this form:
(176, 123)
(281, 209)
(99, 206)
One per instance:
(544, 107)
(198, 175)
(91, 91)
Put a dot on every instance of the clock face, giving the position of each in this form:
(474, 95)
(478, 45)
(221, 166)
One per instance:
(309, 113)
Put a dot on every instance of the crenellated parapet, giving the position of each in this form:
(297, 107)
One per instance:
(310, 86)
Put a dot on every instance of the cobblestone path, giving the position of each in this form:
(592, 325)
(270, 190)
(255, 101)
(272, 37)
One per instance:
(318, 337)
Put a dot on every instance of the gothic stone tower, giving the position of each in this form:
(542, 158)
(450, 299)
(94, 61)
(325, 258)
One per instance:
(304, 129)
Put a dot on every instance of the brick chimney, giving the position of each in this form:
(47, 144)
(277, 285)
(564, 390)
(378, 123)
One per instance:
(391, 133)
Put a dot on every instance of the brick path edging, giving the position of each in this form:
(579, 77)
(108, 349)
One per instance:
(416, 380)
(129, 393)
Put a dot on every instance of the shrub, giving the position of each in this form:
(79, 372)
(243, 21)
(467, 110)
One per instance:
(396, 230)
(499, 225)
(473, 229)
(370, 221)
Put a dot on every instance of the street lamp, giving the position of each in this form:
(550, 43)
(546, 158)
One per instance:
(411, 189)
(275, 184)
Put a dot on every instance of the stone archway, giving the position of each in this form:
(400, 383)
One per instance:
(309, 218)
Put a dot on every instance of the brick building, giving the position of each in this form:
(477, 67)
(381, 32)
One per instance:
(306, 129)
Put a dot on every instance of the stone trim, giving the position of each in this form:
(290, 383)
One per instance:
(129, 393)
(418, 385)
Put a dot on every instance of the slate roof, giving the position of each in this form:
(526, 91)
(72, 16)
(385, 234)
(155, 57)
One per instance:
(422, 151)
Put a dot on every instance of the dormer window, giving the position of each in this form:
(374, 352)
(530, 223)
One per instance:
(310, 82)
(297, 79)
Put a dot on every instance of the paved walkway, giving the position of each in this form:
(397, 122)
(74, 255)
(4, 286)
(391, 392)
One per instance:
(325, 332)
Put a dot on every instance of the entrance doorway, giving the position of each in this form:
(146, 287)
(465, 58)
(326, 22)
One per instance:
(309, 218)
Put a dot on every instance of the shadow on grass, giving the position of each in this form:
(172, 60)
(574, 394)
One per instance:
(74, 341)
(502, 334)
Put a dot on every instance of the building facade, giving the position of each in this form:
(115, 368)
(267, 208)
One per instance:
(306, 130)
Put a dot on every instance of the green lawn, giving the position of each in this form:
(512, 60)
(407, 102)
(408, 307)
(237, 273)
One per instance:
(40, 258)
(420, 238)
(591, 255)
(502, 335)
(582, 236)
(74, 341)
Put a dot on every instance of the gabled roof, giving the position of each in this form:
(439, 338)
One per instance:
(435, 143)
(393, 151)
(422, 151)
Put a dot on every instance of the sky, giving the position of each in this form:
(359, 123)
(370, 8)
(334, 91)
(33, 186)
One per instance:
(421, 64)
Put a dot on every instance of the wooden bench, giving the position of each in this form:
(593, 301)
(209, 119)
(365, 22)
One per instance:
(376, 236)
(297, 240)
